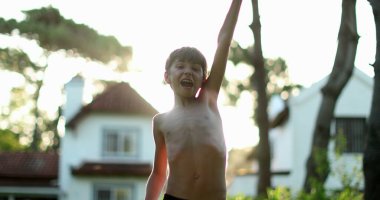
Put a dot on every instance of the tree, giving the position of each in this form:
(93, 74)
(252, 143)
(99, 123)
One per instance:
(53, 33)
(262, 104)
(9, 141)
(19, 110)
(262, 87)
(371, 160)
(317, 163)
(277, 81)
(275, 73)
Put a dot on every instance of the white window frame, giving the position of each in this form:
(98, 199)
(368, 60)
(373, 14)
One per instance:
(113, 188)
(121, 134)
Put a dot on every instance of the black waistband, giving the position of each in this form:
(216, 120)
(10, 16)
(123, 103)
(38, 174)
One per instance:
(170, 197)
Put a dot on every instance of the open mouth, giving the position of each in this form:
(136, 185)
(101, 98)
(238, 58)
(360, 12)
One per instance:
(186, 83)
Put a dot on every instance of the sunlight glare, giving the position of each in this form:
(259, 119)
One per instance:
(294, 30)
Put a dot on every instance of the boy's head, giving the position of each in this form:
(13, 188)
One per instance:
(187, 54)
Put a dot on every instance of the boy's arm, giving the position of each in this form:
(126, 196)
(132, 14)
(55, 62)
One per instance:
(158, 176)
(218, 67)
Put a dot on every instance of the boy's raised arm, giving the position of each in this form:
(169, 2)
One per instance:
(218, 67)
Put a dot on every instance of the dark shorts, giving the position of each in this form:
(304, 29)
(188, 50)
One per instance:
(170, 197)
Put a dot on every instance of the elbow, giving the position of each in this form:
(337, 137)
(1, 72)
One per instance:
(160, 174)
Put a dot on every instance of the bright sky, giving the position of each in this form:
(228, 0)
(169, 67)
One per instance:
(303, 32)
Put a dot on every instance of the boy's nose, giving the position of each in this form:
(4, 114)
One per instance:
(187, 72)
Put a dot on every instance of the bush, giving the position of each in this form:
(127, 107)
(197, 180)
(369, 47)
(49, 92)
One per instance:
(239, 197)
(317, 193)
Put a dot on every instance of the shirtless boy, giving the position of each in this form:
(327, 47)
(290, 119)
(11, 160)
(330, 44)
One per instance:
(190, 137)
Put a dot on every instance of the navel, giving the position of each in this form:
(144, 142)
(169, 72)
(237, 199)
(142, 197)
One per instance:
(196, 176)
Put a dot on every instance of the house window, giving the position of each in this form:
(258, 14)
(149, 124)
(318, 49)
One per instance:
(353, 131)
(113, 192)
(120, 142)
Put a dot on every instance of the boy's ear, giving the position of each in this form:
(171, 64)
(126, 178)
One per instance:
(166, 77)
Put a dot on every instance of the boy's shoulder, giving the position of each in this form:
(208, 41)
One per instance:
(158, 118)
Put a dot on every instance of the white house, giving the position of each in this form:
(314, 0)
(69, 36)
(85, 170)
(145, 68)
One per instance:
(291, 142)
(108, 149)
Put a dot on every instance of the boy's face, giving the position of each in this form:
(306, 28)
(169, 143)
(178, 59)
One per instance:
(185, 78)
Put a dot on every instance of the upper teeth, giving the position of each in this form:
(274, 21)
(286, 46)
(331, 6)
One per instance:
(187, 83)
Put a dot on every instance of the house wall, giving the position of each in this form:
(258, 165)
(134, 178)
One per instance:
(279, 139)
(356, 98)
(83, 187)
(292, 142)
(84, 143)
(74, 97)
(281, 154)
(354, 101)
(247, 184)
(301, 126)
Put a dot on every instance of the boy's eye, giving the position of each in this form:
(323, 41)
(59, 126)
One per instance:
(196, 69)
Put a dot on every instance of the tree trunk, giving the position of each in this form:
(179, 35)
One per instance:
(317, 163)
(262, 121)
(36, 138)
(371, 159)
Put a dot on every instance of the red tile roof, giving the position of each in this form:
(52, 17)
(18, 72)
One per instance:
(112, 169)
(119, 98)
(28, 168)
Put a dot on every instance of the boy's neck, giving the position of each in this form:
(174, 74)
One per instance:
(184, 102)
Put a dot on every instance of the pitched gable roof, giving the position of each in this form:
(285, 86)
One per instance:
(28, 168)
(310, 92)
(119, 98)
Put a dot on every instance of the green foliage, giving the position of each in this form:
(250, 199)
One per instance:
(277, 80)
(22, 115)
(279, 193)
(320, 157)
(239, 197)
(340, 143)
(54, 32)
(317, 193)
(16, 60)
(349, 180)
(348, 193)
(9, 141)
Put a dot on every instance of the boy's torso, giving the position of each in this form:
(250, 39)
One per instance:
(196, 152)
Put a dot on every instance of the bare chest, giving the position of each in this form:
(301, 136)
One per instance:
(198, 121)
(190, 130)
